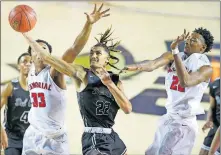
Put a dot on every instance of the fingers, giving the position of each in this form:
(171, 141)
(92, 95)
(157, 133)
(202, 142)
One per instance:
(28, 38)
(103, 12)
(204, 128)
(95, 8)
(100, 7)
(4, 145)
(86, 15)
(106, 15)
(187, 35)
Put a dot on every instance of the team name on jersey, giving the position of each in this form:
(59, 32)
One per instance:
(173, 69)
(39, 85)
(101, 91)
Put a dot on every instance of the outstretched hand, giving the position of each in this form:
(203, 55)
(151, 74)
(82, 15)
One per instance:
(96, 14)
(179, 39)
(104, 76)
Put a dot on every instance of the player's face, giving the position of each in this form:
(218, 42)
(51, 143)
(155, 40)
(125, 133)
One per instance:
(25, 64)
(36, 57)
(195, 43)
(98, 57)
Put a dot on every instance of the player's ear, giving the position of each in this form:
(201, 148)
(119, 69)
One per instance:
(203, 48)
(107, 60)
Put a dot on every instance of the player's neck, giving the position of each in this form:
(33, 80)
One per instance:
(22, 81)
(38, 69)
(96, 70)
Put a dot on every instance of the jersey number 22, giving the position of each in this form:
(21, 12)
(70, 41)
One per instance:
(176, 86)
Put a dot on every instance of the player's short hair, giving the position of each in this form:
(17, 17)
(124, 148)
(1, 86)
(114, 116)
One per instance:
(23, 54)
(41, 41)
(103, 42)
(206, 34)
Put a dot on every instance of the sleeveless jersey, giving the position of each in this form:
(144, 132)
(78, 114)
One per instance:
(48, 102)
(185, 101)
(16, 112)
(98, 107)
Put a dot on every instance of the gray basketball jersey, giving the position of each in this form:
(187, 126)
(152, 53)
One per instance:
(16, 112)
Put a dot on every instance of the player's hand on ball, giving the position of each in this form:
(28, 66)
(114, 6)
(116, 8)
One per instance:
(207, 125)
(97, 14)
(179, 39)
(4, 139)
(104, 76)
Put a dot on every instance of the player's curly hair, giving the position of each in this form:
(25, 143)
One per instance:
(207, 37)
(103, 42)
(41, 41)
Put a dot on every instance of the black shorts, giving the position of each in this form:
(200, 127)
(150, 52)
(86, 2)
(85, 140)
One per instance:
(14, 146)
(99, 144)
(209, 138)
(13, 151)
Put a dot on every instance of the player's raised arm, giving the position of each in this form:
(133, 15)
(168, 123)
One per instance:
(61, 66)
(203, 73)
(71, 53)
(151, 65)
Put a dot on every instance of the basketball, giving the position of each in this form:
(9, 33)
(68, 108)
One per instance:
(22, 18)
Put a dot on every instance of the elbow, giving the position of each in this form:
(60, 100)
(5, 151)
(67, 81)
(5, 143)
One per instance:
(184, 82)
(127, 109)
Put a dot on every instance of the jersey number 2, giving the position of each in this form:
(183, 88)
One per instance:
(36, 102)
(176, 86)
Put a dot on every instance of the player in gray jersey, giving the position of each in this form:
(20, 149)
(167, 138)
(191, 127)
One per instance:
(15, 97)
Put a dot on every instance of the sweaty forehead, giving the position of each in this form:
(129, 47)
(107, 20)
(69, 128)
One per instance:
(197, 36)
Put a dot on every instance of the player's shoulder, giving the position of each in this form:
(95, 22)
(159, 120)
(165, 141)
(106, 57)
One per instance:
(7, 88)
(199, 56)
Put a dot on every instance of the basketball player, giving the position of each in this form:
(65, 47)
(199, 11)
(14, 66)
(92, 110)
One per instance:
(100, 96)
(213, 119)
(15, 97)
(46, 134)
(187, 79)
(215, 143)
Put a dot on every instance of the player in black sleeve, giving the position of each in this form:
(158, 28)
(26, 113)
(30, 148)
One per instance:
(213, 118)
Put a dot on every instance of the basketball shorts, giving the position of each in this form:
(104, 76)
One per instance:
(35, 143)
(102, 143)
(209, 138)
(175, 135)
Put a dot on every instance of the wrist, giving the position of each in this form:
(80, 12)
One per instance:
(139, 67)
(110, 84)
(88, 23)
(175, 51)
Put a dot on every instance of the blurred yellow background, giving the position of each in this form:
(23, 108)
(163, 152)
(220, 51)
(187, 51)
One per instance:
(145, 30)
